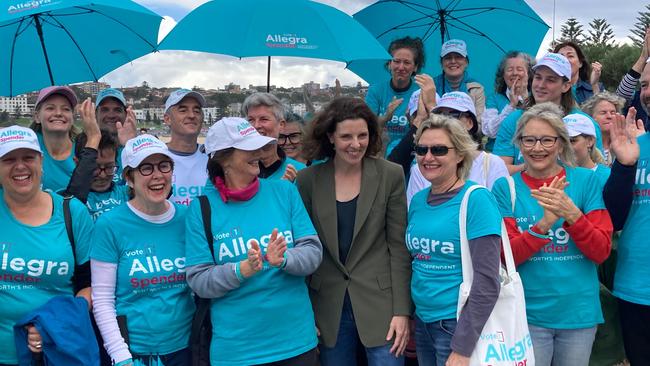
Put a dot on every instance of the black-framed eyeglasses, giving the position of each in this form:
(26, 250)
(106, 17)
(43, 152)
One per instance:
(164, 166)
(546, 141)
(293, 138)
(435, 150)
(107, 169)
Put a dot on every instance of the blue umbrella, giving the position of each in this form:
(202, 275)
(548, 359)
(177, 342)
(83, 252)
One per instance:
(55, 42)
(300, 28)
(490, 29)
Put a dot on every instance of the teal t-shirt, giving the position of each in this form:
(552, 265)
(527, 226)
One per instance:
(379, 97)
(150, 289)
(99, 203)
(433, 239)
(560, 283)
(56, 173)
(37, 264)
(269, 317)
(504, 146)
(602, 174)
(632, 278)
(280, 172)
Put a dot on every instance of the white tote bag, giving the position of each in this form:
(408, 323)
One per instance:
(505, 339)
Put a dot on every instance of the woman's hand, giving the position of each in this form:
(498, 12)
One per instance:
(126, 130)
(549, 217)
(276, 249)
(594, 78)
(254, 262)
(290, 173)
(89, 123)
(428, 90)
(554, 199)
(399, 329)
(34, 340)
(623, 134)
(518, 92)
(457, 360)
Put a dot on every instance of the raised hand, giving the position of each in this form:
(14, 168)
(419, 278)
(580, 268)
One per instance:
(623, 137)
(89, 122)
(594, 78)
(276, 249)
(290, 173)
(126, 130)
(428, 90)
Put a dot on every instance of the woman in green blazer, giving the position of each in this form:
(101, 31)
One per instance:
(361, 291)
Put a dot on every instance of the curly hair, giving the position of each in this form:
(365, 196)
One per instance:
(415, 45)
(589, 106)
(317, 145)
(500, 86)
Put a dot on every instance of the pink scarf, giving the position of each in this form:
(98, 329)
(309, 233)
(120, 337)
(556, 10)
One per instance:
(243, 194)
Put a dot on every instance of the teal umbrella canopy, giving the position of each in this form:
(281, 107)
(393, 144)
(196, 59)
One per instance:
(299, 28)
(489, 28)
(56, 42)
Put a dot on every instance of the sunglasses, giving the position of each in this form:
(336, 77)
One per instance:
(435, 150)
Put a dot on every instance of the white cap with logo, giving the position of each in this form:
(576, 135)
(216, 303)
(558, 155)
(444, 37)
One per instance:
(17, 137)
(234, 132)
(578, 124)
(141, 147)
(556, 62)
(177, 95)
(458, 101)
(454, 45)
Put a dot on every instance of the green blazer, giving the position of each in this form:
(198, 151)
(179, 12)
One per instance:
(377, 272)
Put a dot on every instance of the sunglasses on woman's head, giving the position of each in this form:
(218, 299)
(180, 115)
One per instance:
(435, 150)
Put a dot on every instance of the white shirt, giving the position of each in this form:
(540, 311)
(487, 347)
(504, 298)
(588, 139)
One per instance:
(483, 172)
(190, 176)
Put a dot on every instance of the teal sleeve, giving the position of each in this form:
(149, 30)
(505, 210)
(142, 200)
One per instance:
(197, 250)
(372, 99)
(483, 216)
(301, 225)
(504, 145)
(105, 247)
(501, 192)
(82, 228)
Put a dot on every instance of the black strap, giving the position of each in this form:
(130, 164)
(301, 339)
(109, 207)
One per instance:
(67, 217)
(206, 215)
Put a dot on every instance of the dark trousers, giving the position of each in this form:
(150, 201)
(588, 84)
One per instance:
(635, 324)
(309, 358)
(178, 358)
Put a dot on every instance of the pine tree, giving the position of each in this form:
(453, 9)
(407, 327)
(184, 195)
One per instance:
(572, 31)
(642, 22)
(600, 33)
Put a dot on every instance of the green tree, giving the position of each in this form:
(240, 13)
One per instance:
(616, 60)
(572, 31)
(642, 22)
(600, 33)
(4, 116)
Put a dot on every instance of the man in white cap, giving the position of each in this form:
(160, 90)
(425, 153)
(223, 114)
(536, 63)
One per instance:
(184, 116)
(265, 112)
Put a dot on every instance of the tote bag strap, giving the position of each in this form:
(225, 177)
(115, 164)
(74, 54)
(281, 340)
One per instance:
(466, 259)
(486, 167)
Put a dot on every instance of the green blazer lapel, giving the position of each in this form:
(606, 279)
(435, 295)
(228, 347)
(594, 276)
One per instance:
(369, 186)
(324, 203)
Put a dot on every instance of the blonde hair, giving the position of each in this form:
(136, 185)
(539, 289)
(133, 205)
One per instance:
(461, 140)
(550, 113)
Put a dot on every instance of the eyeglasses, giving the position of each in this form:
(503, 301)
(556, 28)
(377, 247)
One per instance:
(453, 114)
(435, 150)
(531, 141)
(107, 169)
(293, 138)
(164, 166)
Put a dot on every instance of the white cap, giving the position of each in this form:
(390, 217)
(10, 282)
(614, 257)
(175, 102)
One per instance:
(234, 132)
(579, 124)
(141, 147)
(454, 45)
(177, 95)
(556, 62)
(17, 137)
(413, 101)
(458, 101)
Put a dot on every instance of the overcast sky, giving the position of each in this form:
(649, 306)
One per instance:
(187, 69)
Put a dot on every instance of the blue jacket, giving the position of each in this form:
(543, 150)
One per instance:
(68, 337)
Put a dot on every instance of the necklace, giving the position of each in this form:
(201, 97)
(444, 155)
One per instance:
(452, 186)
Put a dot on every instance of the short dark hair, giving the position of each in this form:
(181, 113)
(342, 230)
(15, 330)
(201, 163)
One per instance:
(107, 141)
(317, 145)
(215, 167)
(585, 70)
(415, 45)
